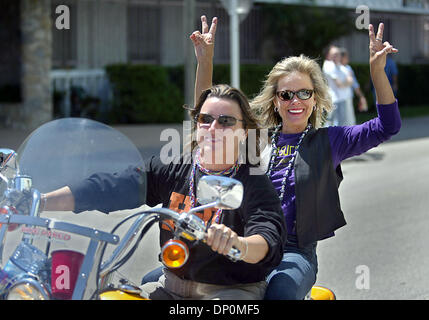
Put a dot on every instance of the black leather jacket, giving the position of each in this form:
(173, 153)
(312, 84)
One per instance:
(318, 211)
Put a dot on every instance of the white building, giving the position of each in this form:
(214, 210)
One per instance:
(103, 32)
(151, 31)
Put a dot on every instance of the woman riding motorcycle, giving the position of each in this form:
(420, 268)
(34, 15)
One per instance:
(257, 229)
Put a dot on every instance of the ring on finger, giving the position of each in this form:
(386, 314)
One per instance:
(378, 39)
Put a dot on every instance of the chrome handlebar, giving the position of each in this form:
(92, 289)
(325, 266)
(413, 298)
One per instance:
(194, 226)
(188, 226)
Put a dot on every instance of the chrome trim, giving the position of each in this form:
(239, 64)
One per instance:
(132, 232)
(5, 156)
(3, 231)
(208, 205)
(123, 245)
(175, 243)
(62, 226)
(85, 271)
(34, 211)
(39, 286)
(192, 225)
(6, 180)
(23, 183)
(129, 288)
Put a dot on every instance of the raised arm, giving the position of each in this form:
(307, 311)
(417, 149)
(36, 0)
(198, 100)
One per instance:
(204, 51)
(377, 61)
(349, 141)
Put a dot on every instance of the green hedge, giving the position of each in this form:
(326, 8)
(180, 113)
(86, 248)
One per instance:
(412, 82)
(144, 94)
(252, 76)
(155, 94)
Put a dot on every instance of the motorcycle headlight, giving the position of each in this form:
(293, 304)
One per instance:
(27, 289)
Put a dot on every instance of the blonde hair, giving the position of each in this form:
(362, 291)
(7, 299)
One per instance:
(263, 103)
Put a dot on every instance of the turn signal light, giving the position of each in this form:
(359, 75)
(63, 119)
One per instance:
(9, 210)
(174, 253)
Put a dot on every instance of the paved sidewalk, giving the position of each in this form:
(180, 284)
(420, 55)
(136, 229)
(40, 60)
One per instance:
(147, 137)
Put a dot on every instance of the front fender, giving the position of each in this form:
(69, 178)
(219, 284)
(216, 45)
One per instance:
(120, 295)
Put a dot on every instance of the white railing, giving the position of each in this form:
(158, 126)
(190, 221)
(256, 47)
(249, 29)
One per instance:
(93, 81)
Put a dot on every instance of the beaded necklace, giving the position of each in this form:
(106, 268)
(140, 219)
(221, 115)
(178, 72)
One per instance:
(232, 171)
(275, 152)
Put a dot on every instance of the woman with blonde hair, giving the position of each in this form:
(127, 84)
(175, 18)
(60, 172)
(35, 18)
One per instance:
(303, 159)
(264, 103)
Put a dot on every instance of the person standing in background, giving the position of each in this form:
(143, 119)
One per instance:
(350, 118)
(339, 83)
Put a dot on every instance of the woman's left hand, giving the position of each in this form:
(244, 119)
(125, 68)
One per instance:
(378, 50)
(204, 41)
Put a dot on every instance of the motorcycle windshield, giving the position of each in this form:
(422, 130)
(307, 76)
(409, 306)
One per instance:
(60, 153)
(66, 151)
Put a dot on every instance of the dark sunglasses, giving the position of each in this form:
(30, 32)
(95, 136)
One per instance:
(287, 95)
(224, 121)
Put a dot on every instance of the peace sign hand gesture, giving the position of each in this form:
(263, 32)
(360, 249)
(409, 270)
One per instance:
(204, 42)
(377, 49)
(377, 61)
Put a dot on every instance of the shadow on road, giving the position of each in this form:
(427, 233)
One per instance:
(412, 128)
(368, 156)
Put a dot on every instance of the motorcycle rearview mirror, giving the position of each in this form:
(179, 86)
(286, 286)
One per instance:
(8, 164)
(226, 193)
(7, 159)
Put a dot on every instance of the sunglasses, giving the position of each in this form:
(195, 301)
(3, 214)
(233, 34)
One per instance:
(224, 121)
(287, 95)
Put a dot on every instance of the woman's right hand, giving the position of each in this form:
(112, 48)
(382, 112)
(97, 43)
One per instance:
(222, 238)
(204, 41)
(378, 50)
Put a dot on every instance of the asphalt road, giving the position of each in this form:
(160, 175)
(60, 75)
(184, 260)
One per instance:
(382, 251)
(380, 254)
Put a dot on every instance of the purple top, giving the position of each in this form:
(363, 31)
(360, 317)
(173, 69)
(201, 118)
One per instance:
(345, 142)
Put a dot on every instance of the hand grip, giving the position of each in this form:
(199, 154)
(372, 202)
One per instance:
(234, 254)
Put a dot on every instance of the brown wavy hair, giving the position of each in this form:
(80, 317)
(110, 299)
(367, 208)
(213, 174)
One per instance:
(250, 122)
